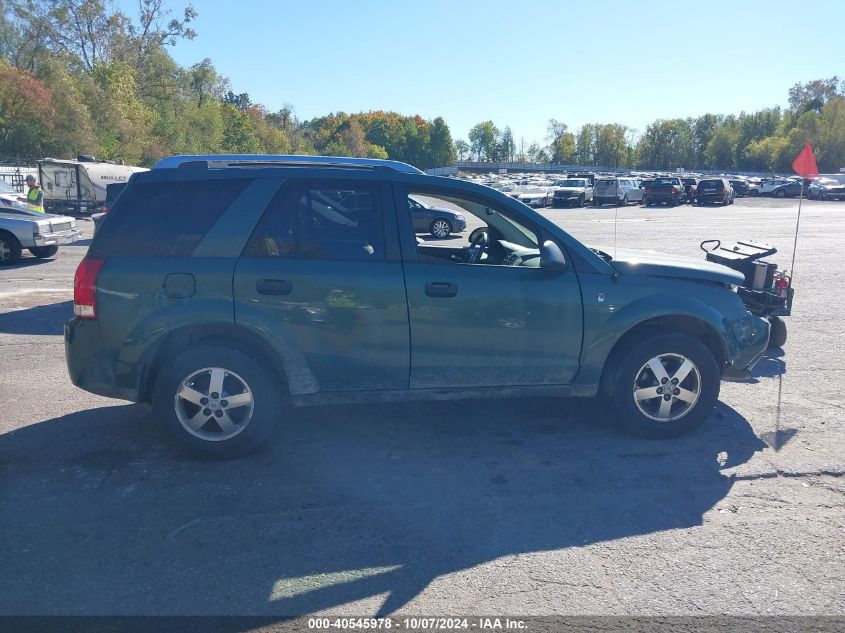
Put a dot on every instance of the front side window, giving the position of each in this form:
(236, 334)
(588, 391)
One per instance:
(336, 220)
(483, 232)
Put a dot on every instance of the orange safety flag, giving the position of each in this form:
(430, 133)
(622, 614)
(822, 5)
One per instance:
(805, 163)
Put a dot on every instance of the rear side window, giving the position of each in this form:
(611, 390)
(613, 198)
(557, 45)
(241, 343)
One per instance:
(335, 220)
(164, 219)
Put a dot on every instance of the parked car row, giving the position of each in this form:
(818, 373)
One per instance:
(651, 189)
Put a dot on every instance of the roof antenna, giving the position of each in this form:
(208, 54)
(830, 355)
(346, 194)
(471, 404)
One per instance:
(616, 209)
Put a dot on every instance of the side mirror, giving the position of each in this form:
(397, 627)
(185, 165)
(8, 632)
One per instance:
(551, 257)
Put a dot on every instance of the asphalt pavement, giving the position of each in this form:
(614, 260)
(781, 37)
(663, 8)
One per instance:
(517, 507)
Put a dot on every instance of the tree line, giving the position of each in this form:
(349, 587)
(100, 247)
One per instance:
(767, 140)
(80, 77)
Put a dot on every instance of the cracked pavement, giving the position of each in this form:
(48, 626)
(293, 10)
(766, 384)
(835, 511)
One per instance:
(512, 507)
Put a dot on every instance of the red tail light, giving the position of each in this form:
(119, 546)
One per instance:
(85, 288)
(674, 189)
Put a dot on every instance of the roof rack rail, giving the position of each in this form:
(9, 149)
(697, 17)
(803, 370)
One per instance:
(220, 161)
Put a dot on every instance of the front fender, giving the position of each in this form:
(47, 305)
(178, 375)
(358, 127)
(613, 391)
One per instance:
(614, 308)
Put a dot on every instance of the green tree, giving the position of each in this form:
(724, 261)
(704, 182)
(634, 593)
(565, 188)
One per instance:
(666, 144)
(462, 148)
(562, 146)
(507, 146)
(813, 94)
(484, 141)
(585, 145)
(611, 148)
(442, 147)
(238, 135)
(26, 113)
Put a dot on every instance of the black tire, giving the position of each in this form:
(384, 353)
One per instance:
(42, 252)
(444, 230)
(780, 193)
(625, 201)
(262, 382)
(777, 334)
(582, 200)
(10, 249)
(629, 368)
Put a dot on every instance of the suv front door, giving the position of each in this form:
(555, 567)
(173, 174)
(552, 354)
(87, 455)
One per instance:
(485, 324)
(320, 276)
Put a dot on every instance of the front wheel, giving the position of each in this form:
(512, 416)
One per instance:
(10, 249)
(42, 252)
(440, 228)
(625, 201)
(780, 194)
(665, 386)
(217, 401)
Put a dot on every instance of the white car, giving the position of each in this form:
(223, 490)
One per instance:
(766, 188)
(536, 196)
(40, 233)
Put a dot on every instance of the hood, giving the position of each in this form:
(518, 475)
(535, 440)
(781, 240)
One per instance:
(637, 262)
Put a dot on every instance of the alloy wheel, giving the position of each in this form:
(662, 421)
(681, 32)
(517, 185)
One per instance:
(667, 387)
(440, 228)
(214, 404)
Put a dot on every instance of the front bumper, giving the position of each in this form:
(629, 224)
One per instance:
(57, 239)
(748, 342)
(459, 226)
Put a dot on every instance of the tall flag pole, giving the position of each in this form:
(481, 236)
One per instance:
(805, 166)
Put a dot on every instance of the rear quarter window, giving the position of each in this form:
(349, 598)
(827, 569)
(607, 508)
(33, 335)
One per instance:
(164, 219)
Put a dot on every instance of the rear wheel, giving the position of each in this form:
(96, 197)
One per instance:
(665, 386)
(582, 201)
(10, 249)
(440, 227)
(780, 193)
(42, 252)
(217, 401)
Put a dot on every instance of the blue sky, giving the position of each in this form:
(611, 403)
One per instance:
(518, 63)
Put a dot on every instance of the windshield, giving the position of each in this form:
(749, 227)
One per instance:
(7, 188)
(710, 184)
(573, 183)
(665, 181)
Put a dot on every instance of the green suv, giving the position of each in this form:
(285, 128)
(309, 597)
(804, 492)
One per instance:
(228, 290)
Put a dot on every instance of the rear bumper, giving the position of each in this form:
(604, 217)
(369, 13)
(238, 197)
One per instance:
(92, 367)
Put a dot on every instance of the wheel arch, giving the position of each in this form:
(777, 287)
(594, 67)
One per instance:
(678, 323)
(194, 335)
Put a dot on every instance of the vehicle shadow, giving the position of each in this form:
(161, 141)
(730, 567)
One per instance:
(350, 503)
(28, 260)
(86, 242)
(40, 320)
(770, 365)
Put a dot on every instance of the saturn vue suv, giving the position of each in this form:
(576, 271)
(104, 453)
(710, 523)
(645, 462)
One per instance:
(226, 291)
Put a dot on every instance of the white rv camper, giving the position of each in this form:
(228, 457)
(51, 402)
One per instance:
(79, 185)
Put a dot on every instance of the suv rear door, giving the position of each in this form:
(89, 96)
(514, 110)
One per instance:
(321, 275)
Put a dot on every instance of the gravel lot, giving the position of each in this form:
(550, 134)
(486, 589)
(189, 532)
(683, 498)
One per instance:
(503, 507)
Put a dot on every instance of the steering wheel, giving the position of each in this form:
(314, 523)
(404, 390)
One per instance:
(477, 246)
